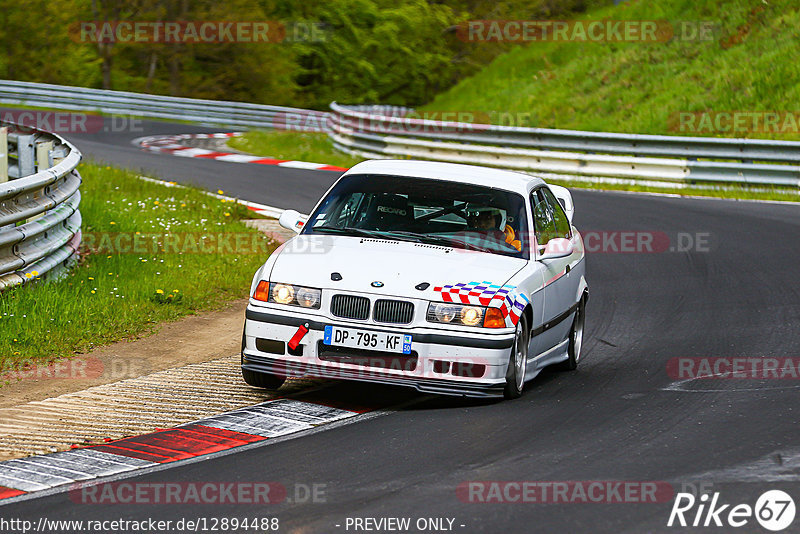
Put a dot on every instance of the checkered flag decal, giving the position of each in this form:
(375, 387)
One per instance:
(507, 298)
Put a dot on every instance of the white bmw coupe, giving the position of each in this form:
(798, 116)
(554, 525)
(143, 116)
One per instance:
(452, 279)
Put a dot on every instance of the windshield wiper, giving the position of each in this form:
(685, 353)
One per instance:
(403, 236)
(347, 230)
(439, 240)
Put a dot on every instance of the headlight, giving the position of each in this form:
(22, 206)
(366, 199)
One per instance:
(305, 297)
(443, 312)
(281, 293)
(471, 316)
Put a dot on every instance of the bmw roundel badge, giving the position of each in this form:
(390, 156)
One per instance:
(377, 284)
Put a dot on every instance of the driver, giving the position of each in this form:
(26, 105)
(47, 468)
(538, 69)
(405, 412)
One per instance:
(492, 221)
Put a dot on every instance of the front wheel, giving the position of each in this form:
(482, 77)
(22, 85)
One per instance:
(575, 339)
(262, 380)
(517, 361)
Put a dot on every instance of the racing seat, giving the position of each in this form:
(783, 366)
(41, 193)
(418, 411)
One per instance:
(389, 212)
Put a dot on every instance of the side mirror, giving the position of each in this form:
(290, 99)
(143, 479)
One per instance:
(293, 220)
(564, 198)
(557, 248)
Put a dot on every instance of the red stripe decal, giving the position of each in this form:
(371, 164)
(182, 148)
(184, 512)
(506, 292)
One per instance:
(6, 493)
(556, 277)
(177, 444)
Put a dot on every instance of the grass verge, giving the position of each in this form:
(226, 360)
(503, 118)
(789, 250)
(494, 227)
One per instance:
(151, 254)
(314, 147)
(745, 62)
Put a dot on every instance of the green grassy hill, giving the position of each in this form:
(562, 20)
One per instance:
(750, 63)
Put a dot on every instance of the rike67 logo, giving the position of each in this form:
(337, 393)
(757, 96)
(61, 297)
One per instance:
(774, 510)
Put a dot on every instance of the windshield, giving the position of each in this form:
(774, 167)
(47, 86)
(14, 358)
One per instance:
(429, 211)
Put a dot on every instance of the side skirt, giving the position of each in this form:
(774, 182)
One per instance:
(554, 355)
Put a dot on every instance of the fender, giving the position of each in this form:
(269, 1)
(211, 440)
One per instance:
(583, 288)
(265, 270)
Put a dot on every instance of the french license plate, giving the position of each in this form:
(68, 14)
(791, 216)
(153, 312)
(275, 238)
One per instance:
(363, 339)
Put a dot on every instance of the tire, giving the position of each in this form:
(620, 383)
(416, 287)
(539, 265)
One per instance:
(262, 380)
(517, 361)
(575, 339)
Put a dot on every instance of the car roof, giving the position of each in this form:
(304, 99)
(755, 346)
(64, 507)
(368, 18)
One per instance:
(451, 172)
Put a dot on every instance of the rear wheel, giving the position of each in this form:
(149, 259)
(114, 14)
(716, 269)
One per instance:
(517, 361)
(575, 339)
(262, 380)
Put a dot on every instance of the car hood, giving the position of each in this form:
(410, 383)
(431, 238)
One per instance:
(309, 260)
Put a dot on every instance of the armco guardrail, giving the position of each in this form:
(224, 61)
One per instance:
(40, 225)
(384, 131)
(214, 112)
(376, 133)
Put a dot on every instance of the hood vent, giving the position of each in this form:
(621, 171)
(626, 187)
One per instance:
(374, 240)
(435, 247)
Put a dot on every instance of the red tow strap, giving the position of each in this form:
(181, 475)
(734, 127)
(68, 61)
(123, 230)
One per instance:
(298, 336)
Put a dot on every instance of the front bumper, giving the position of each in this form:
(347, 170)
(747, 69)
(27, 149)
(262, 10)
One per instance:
(457, 363)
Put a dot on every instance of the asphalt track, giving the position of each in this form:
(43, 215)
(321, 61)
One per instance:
(279, 186)
(620, 417)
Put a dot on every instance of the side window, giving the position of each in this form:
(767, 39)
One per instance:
(544, 227)
(563, 228)
(341, 212)
(347, 214)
